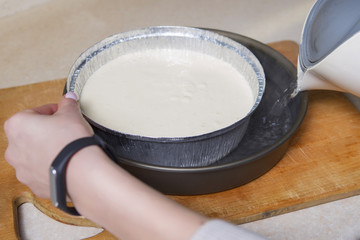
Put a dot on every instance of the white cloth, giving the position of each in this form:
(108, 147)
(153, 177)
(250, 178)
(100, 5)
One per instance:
(221, 230)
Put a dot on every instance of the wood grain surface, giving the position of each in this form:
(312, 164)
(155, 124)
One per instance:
(321, 165)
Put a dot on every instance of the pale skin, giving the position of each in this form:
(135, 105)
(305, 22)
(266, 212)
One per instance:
(100, 190)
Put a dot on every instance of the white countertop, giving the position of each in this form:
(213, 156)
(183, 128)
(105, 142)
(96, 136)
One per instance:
(41, 42)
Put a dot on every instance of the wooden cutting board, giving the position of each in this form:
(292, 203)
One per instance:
(321, 165)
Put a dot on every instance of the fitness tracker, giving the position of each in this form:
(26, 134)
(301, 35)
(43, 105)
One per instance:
(58, 168)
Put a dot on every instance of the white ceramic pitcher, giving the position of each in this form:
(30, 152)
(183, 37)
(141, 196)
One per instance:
(329, 55)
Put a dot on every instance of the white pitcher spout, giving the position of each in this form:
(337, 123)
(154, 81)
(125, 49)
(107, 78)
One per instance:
(338, 71)
(310, 80)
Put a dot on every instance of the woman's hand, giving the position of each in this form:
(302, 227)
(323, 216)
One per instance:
(37, 135)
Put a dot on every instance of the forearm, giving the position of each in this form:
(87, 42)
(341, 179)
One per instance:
(109, 196)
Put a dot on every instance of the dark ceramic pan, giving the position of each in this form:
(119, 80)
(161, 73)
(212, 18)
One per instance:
(265, 142)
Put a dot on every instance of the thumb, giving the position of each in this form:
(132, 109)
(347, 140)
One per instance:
(68, 103)
(70, 108)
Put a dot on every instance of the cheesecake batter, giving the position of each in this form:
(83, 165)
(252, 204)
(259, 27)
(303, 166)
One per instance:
(166, 93)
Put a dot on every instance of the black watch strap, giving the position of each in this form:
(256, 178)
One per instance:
(58, 168)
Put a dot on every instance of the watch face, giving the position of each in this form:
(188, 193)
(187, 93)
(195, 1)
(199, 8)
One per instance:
(53, 188)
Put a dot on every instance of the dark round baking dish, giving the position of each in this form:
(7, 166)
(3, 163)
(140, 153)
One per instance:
(266, 140)
(264, 144)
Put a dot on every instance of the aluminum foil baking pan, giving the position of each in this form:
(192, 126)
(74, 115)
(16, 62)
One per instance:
(191, 151)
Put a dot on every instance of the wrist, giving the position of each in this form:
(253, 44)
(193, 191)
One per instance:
(80, 173)
(58, 170)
